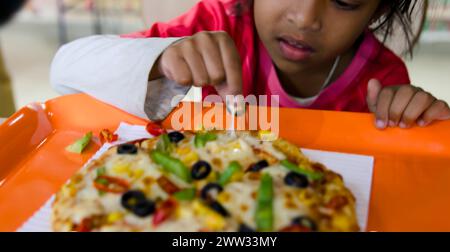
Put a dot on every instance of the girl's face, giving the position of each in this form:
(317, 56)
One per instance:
(308, 34)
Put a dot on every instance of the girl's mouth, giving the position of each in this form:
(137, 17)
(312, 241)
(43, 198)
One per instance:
(293, 49)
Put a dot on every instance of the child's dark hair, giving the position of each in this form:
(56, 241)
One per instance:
(392, 14)
(399, 13)
(8, 9)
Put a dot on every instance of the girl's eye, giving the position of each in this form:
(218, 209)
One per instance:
(345, 5)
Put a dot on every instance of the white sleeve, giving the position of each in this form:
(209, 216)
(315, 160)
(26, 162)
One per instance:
(115, 70)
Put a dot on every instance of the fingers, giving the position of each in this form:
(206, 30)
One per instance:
(439, 110)
(383, 105)
(205, 58)
(400, 102)
(232, 65)
(373, 90)
(418, 105)
(170, 61)
(212, 58)
(196, 64)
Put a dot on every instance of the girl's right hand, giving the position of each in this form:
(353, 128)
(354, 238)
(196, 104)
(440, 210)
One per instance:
(207, 58)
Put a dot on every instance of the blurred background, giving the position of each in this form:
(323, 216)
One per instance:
(29, 42)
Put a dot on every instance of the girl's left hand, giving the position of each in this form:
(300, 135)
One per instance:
(404, 106)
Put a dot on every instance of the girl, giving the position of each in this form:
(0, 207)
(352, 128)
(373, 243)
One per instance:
(317, 54)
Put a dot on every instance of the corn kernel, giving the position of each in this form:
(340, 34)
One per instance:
(305, 198)
(341, 222)
(212, 177)
(121, 168)
(215, 222)
(266, 135)
(235, 145)
(237, 176)
(199, 208)
(69, 189)
(114, 217)
(187, 155)
(183, 213)
(223, 197)
(136, 174)
(72, 189)
(190, 158)
(183, 151)
(211, 219)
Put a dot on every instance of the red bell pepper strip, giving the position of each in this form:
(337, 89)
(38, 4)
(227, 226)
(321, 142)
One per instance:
(296, 228)
(84, 226)
(164, 211)
(167, 185)
(111, 184)
(106, 136)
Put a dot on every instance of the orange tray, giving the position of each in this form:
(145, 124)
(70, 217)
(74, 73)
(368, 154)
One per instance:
(410, 190)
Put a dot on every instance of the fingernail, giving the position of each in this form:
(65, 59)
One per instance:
(403, 125)
(391, 124)
(421, 123)
(381, 124)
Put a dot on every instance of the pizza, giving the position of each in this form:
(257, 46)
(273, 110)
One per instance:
(206, 181)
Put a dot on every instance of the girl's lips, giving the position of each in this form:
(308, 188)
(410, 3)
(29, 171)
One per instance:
(294, 50)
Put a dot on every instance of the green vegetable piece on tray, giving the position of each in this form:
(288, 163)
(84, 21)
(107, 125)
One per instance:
(79, 145)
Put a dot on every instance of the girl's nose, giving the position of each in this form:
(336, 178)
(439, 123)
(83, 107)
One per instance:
(306, 15)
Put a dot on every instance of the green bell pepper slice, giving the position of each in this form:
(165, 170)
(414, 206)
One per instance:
(264, 206)
(172, 165)
(164, 144)
(186, 194)
(201, 139)
(295, 168)
(232, 169)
